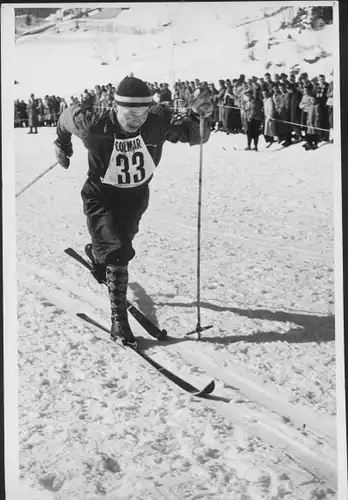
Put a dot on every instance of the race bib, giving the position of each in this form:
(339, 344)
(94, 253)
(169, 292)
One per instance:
(130, 164)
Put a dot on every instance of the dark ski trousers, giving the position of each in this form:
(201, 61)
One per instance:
(113, 217)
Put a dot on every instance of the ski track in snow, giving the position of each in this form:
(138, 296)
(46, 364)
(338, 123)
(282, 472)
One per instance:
(91, 421)
(263, 425)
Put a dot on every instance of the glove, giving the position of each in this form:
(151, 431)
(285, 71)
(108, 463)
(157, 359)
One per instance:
(203, 104)
(63, 153)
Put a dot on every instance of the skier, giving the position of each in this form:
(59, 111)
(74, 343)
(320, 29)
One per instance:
(124, 147)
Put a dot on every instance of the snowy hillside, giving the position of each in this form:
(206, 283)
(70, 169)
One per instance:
(167, 42)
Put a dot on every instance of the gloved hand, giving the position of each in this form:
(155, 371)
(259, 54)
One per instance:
(203, 104)
(63, 153)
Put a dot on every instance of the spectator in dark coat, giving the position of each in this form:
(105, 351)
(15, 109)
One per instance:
(220, 99)
(268, 82)
(276, 78)
(253, 117)
(284, 128)
(55, 103)
(284, 78)
(23, 114)
(322, 90)
(305, 81)
(215, 116)
(32, 114)
(313, 134)
(17, 122)
(241, 79)
(315, 85)
(165, 94)
(295, 114)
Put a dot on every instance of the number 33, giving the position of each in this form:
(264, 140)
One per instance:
(137, 161)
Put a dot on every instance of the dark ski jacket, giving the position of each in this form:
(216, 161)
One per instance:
(99, 129)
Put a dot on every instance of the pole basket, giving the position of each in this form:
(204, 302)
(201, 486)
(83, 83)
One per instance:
(198, 330)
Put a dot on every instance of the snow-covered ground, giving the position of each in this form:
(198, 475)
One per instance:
(96, 423)
(267, 265)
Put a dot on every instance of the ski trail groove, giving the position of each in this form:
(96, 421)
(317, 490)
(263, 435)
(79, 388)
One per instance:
(249, 240)
(248, 386)
(264, 427)
(273, 399)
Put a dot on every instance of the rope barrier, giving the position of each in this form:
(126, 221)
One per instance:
(300, 125)
(277, 119)
(41, 117)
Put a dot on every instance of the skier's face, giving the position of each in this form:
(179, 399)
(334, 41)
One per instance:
(131, 119)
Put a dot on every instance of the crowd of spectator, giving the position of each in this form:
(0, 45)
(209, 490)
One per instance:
(38, 112)
(285, 109)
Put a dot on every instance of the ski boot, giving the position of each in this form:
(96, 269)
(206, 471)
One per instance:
(117, 283)
(120, 329)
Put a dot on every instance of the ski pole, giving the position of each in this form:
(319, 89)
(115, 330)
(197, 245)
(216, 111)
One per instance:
(199, 328)
(36, 179)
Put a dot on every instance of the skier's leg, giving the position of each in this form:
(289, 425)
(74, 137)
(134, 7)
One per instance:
(112, 253)
(112, 248)
(117, 282)
(117, 275)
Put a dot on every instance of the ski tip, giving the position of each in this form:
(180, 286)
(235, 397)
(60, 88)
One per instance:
(208, 389)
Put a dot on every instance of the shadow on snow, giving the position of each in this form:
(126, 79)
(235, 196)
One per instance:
(312, 328)
(148, 307)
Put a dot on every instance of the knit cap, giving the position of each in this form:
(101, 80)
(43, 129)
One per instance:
(133, 92)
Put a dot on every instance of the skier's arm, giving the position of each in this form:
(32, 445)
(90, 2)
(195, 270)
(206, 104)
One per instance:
(74, 120)
(185, 127)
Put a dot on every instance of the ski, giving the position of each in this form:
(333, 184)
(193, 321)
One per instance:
(186, 386)
(152, 329)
